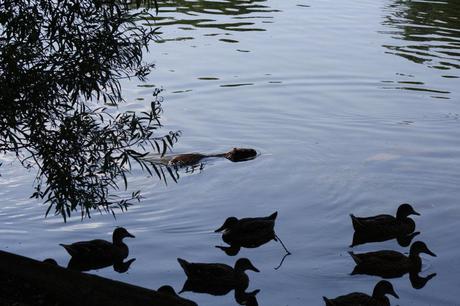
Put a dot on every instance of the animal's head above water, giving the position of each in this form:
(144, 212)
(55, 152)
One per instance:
(384, 287)
(228, 224)
(241, 154)
(119, 233)
(405, 210)
(167, 290)
(420, 247)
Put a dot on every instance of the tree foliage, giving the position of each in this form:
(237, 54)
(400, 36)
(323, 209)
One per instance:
(61, 62)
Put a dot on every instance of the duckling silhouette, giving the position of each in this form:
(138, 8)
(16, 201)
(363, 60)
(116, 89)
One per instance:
(378, 297)
(390, 264)
(384, 227)
(190, 159)
(216, 278)
(248, 233)
(99, 249)
(168, 294)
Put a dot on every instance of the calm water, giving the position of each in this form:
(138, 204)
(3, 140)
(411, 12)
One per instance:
(354, 108)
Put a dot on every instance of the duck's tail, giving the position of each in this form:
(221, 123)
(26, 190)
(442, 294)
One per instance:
(68, 248)
(273, 216)
(355, 221)
(327, 301)
(355, 257)
(184, 264)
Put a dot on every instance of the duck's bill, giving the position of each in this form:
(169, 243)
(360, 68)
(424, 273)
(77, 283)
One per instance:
(415, 213)
(130, 235)
(394, 294)
(430, 253)
(252, 268)
(220, 229)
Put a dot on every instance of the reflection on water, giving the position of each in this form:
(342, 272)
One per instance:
(119, 265)
(230, 15)
(425, 32)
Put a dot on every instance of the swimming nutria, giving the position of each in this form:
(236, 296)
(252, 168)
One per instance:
(235, 155)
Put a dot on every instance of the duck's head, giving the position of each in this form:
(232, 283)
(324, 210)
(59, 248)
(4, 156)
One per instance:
(405, 210)
(420, 247)
(228, 225)
(240, 154)
(120, 233)
(244, 264)
(384, 287)
(50, 261)
(167, 290)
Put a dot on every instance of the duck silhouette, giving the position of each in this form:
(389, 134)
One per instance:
(384, 227)
(101, 250)
(390, 264)
(248, 233)
(168, 294)
(216, 278)
(378, 297)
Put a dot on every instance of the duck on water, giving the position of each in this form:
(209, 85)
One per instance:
(385, 227)
(378, 297)
(216, 278)
(248, 233)
(99, 249)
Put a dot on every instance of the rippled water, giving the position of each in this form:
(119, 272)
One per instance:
(354, 108)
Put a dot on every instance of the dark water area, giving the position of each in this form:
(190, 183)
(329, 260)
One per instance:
(354, 108)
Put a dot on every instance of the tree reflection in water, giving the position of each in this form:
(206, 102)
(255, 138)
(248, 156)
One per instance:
(425, 32)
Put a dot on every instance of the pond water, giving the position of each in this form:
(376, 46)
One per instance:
(354, 108)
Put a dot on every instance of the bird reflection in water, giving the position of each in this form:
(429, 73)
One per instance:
(246, 298)
(219, 279)
(385, 227)
(363, 237)
(248, 233)
(81, 265)
(393, 264)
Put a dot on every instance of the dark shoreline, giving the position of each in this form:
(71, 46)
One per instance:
(28, 282)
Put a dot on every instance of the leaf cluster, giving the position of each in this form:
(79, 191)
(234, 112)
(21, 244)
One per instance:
(61, 62)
